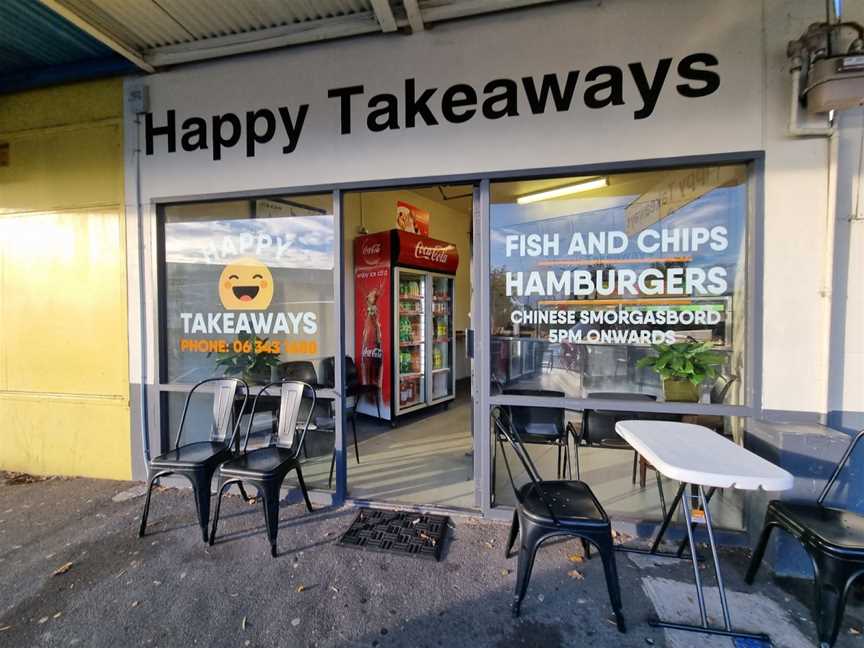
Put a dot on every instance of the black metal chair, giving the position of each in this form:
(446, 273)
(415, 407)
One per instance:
(598, 430)
(547, 509)
(266, 468)
(198, 461)
(834, 541)
(354, 390)
(542, 426)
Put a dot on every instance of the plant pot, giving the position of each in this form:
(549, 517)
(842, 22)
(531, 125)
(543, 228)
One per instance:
(680, 391)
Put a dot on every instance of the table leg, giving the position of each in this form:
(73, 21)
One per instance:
(727, 630)
(667, 520)
(710, 530)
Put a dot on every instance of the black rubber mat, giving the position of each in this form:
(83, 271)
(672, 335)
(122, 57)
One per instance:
(397, 532)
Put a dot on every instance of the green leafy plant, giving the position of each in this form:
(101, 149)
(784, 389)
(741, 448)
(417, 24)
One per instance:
(684, 361)
(249, 358)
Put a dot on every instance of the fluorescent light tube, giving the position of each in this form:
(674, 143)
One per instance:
(588, 185)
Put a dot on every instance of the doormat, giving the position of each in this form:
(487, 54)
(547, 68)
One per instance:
(397, 532)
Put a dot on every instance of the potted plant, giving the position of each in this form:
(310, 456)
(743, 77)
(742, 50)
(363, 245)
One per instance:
(249, 359)
(683, 366)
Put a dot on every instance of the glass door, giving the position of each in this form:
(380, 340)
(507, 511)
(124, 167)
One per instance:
(442, 335)
(411, 366)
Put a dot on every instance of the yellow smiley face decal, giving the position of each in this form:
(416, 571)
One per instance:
(246, 284)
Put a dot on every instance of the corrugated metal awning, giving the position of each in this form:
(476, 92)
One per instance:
(155, 33)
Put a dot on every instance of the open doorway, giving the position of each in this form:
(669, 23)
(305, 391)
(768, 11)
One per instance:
(407, 313)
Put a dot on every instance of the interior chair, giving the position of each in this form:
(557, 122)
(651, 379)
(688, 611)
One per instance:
(718, 395)
(322, 412)
(355, 391)
(834, 541)
(542, 426)
(548, 509)
(598, 430)
(197, 461)
(266, 468)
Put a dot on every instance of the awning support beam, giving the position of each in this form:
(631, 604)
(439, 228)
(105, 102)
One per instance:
(384, 15)
(102, 36)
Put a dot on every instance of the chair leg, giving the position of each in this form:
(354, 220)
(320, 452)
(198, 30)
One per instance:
(610, 569)
(586, 548)
(832, 584)
(271, 512)
(243, 492)
(150, 483)
(354, 431)
(576, 455)
(303, 489)
(531, 538)
(220, 491)
(332, 465)
(643, 471)
(558, 467)
(514, 533)
(635, 462)
(201, 490)
(759, 551)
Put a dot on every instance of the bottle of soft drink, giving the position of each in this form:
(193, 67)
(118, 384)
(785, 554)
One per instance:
(371, 352)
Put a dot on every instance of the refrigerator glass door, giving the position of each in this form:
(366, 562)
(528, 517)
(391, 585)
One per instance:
(442, 337)
(410, 340)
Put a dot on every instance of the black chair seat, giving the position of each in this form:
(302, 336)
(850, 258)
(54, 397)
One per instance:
(192, 455)
(569, 501)
(839, 532)
(260, 463)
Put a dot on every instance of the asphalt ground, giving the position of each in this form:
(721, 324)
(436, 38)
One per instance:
(170, 589)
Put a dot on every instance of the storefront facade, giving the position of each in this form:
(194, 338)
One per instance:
(259, 156)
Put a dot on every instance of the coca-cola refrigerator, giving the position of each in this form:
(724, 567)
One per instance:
(403, 320)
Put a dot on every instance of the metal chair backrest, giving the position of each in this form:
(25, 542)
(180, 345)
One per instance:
(299, 370)
(599, 425)
(524, 417)
(291, 397)
(224, 397)
(839, 467)
(720, 389)
(506, 429)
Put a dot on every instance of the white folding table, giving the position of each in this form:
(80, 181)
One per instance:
(697, 456)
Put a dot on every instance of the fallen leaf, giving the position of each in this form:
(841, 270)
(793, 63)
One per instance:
(134, 603)
(5, 628)
(295, 622)
(43, 619)
(854, 631)
(300, 588)
(334, 589)
(488, 545)
(62, 569)
(576, 574)
(243, 624)
(506, 572)
(58, 615)
(575, 558)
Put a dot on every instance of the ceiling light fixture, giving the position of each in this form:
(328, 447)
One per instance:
(579, 187)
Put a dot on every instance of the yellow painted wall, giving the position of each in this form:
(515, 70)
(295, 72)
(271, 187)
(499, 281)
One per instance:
(64, 374)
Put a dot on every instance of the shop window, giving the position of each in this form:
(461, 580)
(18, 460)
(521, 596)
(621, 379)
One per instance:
(594, 278)
(247, 288)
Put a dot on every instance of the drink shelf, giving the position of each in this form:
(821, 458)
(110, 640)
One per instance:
(443, 340)
(412, 375)
(411, 313)
(441, 369)
(410, 298)
(411, 344)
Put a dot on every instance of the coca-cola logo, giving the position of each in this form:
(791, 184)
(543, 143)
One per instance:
(374, 352)
(434, 253)
(369, 249)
